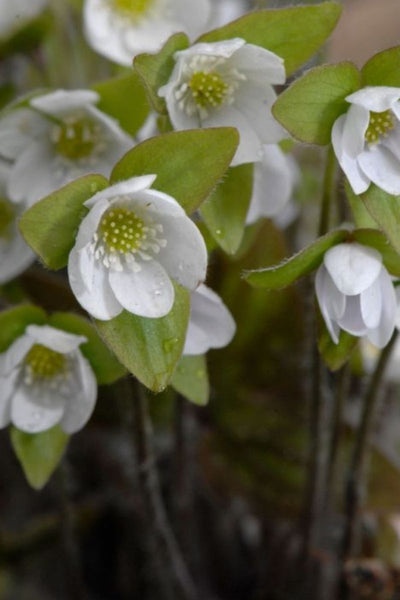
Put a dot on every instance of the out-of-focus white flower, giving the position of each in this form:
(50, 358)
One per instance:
(131, 243)
(148, 129)
(60, 137)
(120, 29)
(355, 293)
(15, 254)
(224, 11)
(14, 14)
(211, 325)
(227, 83)
(275, 178)
(366, 139)
(45, 380)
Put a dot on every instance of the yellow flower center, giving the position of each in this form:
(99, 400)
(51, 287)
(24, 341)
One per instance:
(76, 137)
(44, 363)
(121, 230)
(208, 89)
(7, 214)
(380, 123)
(133, 9)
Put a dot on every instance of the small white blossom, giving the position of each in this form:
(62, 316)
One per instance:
(129, 246)
(121, 29)
(211, 325)
(275, 178)
(15, 14)
(366, 139)
(355, 293)
(61, 136)
(227, 83)
(45, 380)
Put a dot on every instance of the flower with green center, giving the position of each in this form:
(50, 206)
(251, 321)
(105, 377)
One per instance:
(45, 380)
(227, 83)
(366, 139)
(61, 136)
(121, 29)
(131, 244)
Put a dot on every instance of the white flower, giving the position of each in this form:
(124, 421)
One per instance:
(355, 293)
(227, 83)
(211, 325)
(45, 380)
(15, 254)
(275, 177)
(121, 29)
(61, 137)
(14, 14)
(128, 246)
(224, 11)
(366, 139)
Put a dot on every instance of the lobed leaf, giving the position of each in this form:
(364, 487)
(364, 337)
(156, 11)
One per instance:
(191, 379)
(385, 210)
(383, 68)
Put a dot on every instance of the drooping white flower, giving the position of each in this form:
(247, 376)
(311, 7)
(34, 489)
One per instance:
(121, 29)
(45, 380)
(129, 246)
(275, 178)
(211, 325)
(17, 13)
(366, 139)
(61, 136)
(355, 293)
(227, 83)
(15, 254)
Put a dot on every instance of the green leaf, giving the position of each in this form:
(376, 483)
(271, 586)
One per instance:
(294, 33)
(154, 70)
(191, 379)
(50, 226)
(149, 348)
(39, 453)
(334, 355)
(124, 99)
(302, 263)
(188, 164)
(383, 68)
(385, 210)
(105, 365)
(224, 212)
(362, 218)
(13, 322)
(378, 240)
(311, 105)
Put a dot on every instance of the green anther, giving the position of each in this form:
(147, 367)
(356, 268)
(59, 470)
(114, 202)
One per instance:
(380, 123)
(121, 230)
(208, 89)
(44, 363)
(75, 138)
(7, 214)
(132, 8)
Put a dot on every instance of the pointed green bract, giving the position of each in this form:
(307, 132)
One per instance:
(39, 453)
(385, 210)
(294, 34)
(224, 212)
(188, 164)
(383, 69)
(124, 99)
(50, 226)
(154, 70)
(378, 240)
(103, 362)
(191, 379)
(14, 321)
(302, 263)
(149, 348)
(311, 105)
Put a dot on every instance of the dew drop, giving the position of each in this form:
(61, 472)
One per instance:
(170, 344)
(219, 232)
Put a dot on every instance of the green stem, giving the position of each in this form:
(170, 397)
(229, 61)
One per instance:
(328, 191)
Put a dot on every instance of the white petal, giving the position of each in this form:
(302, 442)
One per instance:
(376, 98)
(100, 302)
(124, 141)
(382, 334)
(357, 179)
(18, 129)
(32, 176)
(226, 11)
(258, 62)
(64, 101)
(382, 167)
(353, 267)
(352, 320)
(15, 354)
(15, 257)
(7, 387)
(185, 255)
(155, 203)
(90, 223)
(31, 416)
(225, 49)
(331, 302)
(103, 33)
(371, 304)
(211, 324)
(147, 293)
(123, 188)
(392, 141)
(356, 124)
(55, 339)
(192, 16)
(255, 106)
(79, 407)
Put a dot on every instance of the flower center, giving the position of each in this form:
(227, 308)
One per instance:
(208, 89)
(76, 137)
(132, 8)
(44, 363)
(380, 123)
(7, 214)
